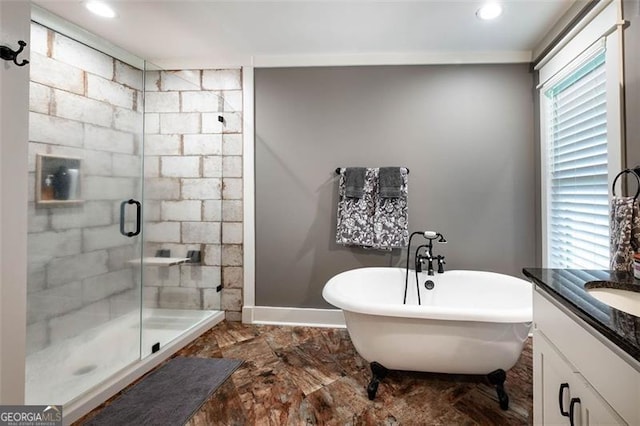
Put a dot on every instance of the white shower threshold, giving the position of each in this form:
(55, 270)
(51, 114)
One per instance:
(98, 350)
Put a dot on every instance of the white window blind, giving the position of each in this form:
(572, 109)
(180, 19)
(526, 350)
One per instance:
(577, 164)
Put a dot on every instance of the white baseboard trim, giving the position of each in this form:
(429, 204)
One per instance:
(309, 317)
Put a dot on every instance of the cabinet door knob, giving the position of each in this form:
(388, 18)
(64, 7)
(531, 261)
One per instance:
(563, 386)
(572, 406)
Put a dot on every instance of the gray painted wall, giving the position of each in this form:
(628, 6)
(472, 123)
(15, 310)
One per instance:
(465, 132)
(632, 82)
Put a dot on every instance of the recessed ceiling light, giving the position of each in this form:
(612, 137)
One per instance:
(489, 11)
(101, 9)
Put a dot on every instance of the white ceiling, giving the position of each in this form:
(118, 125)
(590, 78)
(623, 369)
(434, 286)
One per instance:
(191, 34)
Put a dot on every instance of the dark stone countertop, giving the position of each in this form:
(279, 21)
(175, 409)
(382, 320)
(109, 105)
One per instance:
(568, 287)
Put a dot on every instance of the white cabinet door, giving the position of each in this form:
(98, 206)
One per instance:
(554, 384)
(557, 384)
(594, 410)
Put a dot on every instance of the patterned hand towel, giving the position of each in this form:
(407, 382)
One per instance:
(390, 182)
(391, 217)
(624, 233)
(355, 215)
(371, 221)
(354, 181)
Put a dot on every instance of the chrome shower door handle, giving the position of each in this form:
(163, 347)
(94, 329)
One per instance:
(138, 217)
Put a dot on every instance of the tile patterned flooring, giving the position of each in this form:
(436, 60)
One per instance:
(314, 376)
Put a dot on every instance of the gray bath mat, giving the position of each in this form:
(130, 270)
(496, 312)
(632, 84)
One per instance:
(169, 395)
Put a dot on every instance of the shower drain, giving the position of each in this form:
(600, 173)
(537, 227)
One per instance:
(84, 370)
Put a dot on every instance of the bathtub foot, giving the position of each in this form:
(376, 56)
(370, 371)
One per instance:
(379, 372)
(498, 378)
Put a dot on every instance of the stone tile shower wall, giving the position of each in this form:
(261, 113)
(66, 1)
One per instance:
(193, 188)
(84, 104)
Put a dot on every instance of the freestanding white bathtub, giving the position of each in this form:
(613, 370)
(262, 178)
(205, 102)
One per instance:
(471, 322)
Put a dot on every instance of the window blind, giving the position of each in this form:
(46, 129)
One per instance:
(577, 188)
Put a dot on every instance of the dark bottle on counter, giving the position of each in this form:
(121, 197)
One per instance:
(61, 183)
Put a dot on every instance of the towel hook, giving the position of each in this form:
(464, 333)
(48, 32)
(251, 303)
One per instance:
(9, 54)
(625, 171)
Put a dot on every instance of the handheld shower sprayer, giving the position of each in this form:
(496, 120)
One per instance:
(432, 235)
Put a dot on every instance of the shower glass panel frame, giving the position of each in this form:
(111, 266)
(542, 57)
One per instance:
(92, 273)
(85, 179)
(179, 297)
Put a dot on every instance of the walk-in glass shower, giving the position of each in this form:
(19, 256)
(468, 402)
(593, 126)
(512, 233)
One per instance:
(124, 226)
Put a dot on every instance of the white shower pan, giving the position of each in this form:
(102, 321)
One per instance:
(77, 365)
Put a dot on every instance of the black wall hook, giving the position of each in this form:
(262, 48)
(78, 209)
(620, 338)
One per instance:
(9, 54)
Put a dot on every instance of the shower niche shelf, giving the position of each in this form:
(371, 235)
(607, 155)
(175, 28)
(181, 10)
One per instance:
(58, 180)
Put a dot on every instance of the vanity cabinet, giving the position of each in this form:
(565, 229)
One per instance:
(577, 378)
(565, 397)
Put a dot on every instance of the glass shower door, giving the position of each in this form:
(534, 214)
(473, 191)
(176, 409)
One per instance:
(182, 273)
(84, 241)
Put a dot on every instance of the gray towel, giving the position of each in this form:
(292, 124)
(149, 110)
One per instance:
(390, 182)
(354, 182)
(372, 221)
